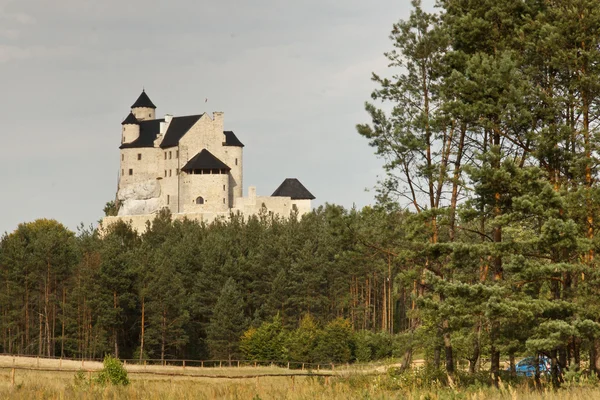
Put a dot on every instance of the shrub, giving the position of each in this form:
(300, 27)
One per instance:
(113, 372)
(335, 342)
(264, 343)
(301, 343)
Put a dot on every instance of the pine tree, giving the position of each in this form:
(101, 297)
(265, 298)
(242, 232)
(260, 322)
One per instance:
(227, 323)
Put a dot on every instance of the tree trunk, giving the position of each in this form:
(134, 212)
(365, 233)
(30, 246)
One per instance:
(115, 329)
(448, 348)
(143, 326)
(62, 335)
(163, 336)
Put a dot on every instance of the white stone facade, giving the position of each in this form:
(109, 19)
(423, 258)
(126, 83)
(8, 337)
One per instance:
(189, 165)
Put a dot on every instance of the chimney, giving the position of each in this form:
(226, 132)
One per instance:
(218, 117)
(165, 125)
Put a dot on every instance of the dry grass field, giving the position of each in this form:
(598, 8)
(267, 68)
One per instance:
(238, 383)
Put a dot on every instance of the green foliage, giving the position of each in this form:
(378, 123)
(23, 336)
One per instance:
(265, 342)
(335, 342)
(227, 322)
(373, 346)
(112, 373)
(301, 343)
(80, 380)
(111, 209)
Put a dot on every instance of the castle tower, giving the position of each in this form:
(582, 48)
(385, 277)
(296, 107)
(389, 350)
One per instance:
(143, 108)
(131, 129)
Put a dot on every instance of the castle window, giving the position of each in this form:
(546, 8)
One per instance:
(176, 171)
(200, 200)
(165, 173)
(130, 171)
(223, 187)
(177, 154)
(139, 156)
(149, 115)
(170, 155)
(168, 199)
(165, 155)
(223, 200)
(170, 172)
(236, 161)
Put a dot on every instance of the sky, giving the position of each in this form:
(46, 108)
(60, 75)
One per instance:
(291, 77)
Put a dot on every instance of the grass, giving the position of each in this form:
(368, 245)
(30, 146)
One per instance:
(347, 384)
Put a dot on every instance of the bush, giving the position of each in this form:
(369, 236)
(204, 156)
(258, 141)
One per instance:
(264, 343)
(113, 372)
(80, 380)
(372, 346)
(301, 343)
(335, 342)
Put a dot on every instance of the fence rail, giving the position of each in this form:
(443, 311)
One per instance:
(292, 376)
(186, 363)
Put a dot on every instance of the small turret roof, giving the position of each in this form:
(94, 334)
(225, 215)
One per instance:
(292, 187)
(143, 101)
(131, 119)
(232, 140)
(205, 160)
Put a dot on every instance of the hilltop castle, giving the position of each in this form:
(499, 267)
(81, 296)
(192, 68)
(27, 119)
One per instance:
(193, 167)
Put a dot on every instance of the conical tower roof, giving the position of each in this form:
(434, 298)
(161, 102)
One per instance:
(143, 101)
(292, 187)
(130, 120)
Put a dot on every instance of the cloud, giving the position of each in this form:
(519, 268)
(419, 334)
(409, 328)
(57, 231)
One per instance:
(13, 53)
(18, 17)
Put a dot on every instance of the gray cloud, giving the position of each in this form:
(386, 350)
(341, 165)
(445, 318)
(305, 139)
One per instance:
(291, 78)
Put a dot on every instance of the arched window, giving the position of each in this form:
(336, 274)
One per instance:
(200, 200)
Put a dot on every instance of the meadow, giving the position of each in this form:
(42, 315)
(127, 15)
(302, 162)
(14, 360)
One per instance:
(46, 382)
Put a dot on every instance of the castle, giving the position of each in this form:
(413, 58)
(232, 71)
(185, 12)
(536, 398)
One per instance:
(193, 167)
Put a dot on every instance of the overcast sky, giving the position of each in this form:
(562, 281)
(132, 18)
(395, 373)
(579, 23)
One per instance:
(291, 77)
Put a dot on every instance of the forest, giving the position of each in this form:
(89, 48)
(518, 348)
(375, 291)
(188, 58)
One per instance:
(482, 245)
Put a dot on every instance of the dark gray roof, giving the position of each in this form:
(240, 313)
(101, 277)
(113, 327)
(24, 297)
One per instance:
(177, 128)
(143, 101)
(292, 187)
(205, 160)
(130, 120)
(149, 131)
(232, 140)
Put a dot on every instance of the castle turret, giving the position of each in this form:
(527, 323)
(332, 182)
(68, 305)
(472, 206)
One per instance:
(131, 129)
(143, 108)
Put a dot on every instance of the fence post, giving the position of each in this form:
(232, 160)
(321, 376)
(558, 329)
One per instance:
(12, 377)
(220, 364)
(238, 363)
(202, 364)
(302, 366)
(288, 365)
(318, 367)
(332, 367)
(144, 364)
(183, 364)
